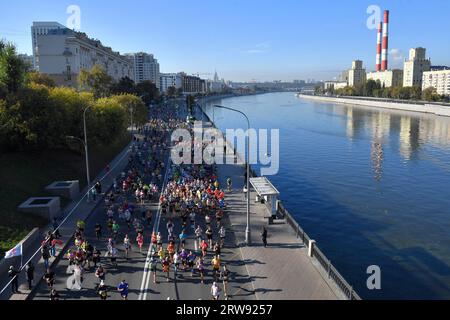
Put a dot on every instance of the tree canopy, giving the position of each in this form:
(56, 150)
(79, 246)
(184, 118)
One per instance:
(96, 80)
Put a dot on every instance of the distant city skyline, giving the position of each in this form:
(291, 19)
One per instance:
(246, 41)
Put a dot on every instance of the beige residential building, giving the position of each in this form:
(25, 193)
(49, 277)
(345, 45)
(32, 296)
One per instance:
(439, 79)
(357, 74)
(63, 53)
(414, 67)
(388, 78)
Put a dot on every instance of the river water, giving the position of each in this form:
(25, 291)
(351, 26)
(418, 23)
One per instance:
(371, 186)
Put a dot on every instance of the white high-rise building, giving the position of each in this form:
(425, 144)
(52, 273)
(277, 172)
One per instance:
(439, 79)
(63, 53)
(146, 68)
(415, 67)
(38, 29)
(168, 80)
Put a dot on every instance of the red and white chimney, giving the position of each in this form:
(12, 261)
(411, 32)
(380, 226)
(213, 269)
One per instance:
(385, 47)
(378, 62)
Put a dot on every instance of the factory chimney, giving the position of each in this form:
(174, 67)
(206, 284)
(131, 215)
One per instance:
(378, 62)
(384, 51)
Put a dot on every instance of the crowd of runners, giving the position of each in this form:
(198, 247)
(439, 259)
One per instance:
(192, 201)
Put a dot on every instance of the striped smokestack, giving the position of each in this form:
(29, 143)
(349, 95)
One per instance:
(378, 62)
(384, 51)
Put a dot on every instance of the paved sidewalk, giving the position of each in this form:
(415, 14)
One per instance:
(283, 270)
(78, 209)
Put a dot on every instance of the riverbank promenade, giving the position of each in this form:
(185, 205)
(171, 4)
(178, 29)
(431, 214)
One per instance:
(283, 270)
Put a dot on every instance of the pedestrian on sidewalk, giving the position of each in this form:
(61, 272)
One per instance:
(55, 228)
(264, 236)
(93, 194)
(45, 254)
(14, 275)
(29, 271)
(98, 187)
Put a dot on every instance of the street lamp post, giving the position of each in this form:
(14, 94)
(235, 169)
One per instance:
(132, 124)
(248, 239)
(84, 144)
(88, 175)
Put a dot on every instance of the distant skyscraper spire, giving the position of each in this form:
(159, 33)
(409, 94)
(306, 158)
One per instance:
(216, 77)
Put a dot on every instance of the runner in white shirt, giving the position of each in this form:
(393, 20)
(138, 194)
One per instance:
(215, 291)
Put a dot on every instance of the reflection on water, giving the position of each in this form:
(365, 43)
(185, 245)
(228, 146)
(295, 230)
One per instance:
(370, 185)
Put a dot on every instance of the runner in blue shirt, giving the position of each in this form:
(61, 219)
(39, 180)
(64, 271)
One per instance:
(123, 289)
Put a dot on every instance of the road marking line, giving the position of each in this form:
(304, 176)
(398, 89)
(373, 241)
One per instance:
(146, 276)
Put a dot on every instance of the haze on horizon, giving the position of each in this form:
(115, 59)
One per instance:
(261, 40)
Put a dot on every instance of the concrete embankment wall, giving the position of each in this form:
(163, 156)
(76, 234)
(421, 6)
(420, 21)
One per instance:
(440, 110)
(28, 243)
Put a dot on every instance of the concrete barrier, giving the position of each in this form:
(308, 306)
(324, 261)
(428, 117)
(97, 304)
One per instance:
(66, 189)
(440, 110)
(48, 207)
(27, 243)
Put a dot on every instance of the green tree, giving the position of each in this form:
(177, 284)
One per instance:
(416, 93)
(370, 87)
(148, 91)
(171, 91)
(135, 105)
(39, 78)
(430, 94)
(109, 120)
(72, 103)
(95, 80)
(125, 85)
(12, 68)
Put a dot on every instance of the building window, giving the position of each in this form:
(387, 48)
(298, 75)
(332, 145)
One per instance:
(69, 73)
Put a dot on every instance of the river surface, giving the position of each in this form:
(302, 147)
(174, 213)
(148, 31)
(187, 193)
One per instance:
(371, 186)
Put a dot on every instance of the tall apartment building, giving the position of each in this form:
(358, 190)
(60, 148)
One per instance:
(357, 74)
(63, 53)
(192, 84)
(168, 80)
(38, 29)
(414, 67)
(439, 79)
(146, 67)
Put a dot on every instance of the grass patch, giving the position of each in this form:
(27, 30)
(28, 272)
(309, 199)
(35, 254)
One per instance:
(26, 174)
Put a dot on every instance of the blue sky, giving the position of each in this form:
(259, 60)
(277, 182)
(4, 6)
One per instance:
(245, 39)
